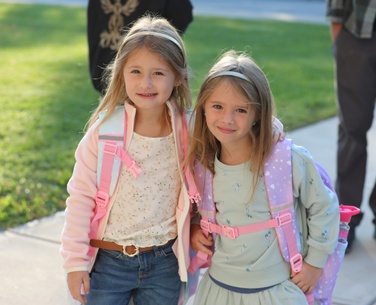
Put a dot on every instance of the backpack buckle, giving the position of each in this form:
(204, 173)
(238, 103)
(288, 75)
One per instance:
(283, 219)
(206, 225)
(101, 199)
(230, 232)
(110, 148)
(296, 263)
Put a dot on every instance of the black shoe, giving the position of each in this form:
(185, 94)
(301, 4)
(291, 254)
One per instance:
(350, 239)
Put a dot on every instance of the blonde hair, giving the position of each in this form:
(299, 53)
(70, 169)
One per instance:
(241, 72)
(157, 35)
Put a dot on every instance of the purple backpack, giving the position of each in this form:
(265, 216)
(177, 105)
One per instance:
(278, 181)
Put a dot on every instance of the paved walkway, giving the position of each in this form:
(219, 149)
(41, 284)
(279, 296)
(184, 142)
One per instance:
(30, 264)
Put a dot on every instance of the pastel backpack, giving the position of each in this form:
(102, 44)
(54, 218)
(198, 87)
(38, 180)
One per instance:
(112, 155)
(278, 180)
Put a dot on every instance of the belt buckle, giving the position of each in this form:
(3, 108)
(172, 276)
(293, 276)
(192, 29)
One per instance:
(131, 255)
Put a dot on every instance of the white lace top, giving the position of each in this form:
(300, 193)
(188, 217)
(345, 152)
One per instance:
(143, 213)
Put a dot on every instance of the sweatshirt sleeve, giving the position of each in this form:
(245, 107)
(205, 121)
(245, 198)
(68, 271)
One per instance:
(318, 206)
(335, 10)
(82, 189)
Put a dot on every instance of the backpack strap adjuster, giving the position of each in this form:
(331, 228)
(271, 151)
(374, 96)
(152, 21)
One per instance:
(230, 232)
(227, 231)
(110, 148)
(206, 226)
(296, 263)
(283, 219)
(102, 199)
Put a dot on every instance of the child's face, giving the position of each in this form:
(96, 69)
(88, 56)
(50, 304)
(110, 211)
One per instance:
(229, 116)
(149, 80)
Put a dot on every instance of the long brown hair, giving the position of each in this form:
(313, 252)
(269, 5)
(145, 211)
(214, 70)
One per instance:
(160, 37)
(255, 87)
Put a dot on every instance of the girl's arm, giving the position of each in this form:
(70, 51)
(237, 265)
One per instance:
(321, 224)
(80, 205)
(82, 189)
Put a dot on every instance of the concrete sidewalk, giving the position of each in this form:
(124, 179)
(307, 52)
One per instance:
(30, 263)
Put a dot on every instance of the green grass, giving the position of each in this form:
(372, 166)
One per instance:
(46, 95)
(296, 58)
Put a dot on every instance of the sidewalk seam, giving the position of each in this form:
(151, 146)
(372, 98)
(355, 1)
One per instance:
(33, 236)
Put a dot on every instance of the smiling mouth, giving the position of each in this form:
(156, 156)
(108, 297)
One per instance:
(225, 130)
(147, 94)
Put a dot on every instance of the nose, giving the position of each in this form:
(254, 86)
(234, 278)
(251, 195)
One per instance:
(228, 117)
(146, 81)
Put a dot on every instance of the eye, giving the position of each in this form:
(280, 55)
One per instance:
(241, 110)
(135, 71)
(158, 73)
(216, 106)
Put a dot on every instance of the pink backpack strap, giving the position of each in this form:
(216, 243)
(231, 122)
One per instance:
(112, 139)
(103, 193)
(110, 150)
(206, 207)
(234, 232)
(278, 181)
(193, 192)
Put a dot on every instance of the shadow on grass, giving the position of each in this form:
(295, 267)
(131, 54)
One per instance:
(47, 105)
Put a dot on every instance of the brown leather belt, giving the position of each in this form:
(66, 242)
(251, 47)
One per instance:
(127, 250)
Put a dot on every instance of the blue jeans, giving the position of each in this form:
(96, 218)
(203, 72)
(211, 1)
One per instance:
(150, 277)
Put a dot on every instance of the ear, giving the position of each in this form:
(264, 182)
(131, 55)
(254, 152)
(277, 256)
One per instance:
(177, 82)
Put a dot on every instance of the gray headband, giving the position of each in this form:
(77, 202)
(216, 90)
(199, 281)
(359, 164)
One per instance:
(159, 35)
(230, 73)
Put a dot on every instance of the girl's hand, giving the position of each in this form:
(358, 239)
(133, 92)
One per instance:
(278, 134)
(76, 280)
(199, 242)
(307, 279)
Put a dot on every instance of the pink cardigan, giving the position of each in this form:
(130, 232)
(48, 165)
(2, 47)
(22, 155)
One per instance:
(82, 188)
